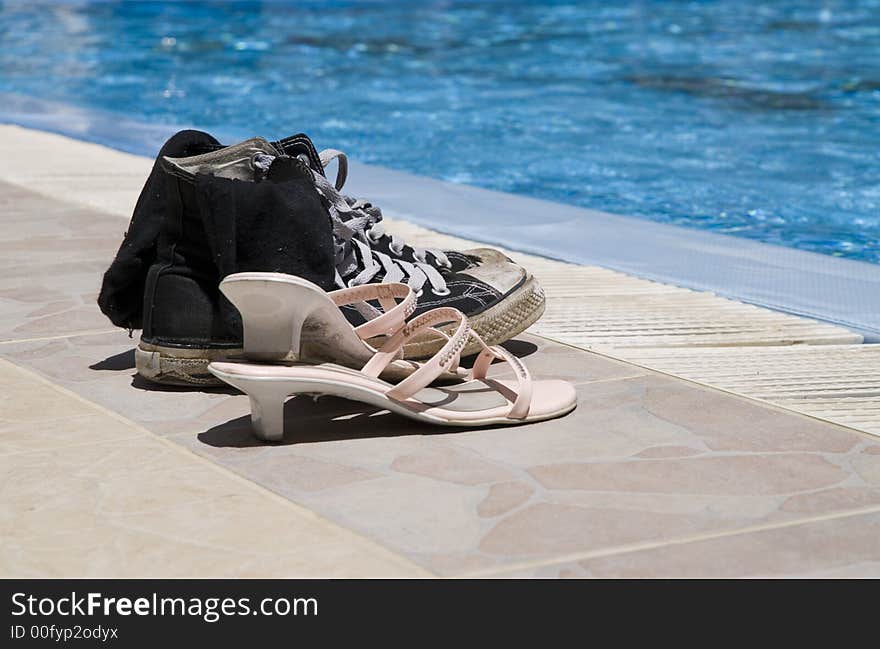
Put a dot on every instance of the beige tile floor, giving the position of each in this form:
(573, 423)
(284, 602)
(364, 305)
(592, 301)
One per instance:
(102, 474)
(784, 359)
(86, 493)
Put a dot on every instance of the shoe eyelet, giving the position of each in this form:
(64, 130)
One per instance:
(442, 292)
(259, 163)
(419, 293)
(396, 251)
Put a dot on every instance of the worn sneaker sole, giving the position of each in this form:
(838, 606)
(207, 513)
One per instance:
(507, 319)
(180, 366)
(188, 367)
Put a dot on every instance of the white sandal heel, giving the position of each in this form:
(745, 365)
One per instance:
(288, 318)
(267, 412)
(273, 312)
(267, 403)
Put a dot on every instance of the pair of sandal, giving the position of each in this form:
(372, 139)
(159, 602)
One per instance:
(297, 341)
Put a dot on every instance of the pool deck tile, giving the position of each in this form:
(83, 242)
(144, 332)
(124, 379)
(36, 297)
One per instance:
(104, 474)
(644, 459)
(837, 547)
(102, 497)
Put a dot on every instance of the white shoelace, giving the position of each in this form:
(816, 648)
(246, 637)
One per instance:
(370, 227)
(353, 251)
(354, 228)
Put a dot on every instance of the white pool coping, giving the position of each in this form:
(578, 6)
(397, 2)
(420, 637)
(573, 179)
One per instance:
(831, 289)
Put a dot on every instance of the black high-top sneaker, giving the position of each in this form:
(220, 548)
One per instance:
(500, 298)
(201, 196)
(223, 214)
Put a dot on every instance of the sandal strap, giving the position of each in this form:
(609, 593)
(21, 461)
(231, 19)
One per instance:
(441, 362)
(395, 313)
(523, 401)
(447, 357)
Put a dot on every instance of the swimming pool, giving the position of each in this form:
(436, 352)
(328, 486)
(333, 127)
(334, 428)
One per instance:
(761, 120)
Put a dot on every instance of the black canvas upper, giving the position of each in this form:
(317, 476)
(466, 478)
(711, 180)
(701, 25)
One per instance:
(122, 291)
(189, 230)
(276, 225)
(300, 145)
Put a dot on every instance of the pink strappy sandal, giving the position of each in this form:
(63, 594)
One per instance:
(478, 401)
(288, 318)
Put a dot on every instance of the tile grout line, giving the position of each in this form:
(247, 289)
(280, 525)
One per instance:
(783, 406)
(88, 332)
(763, 402)
(653, 545)
(366, 543)
(610, 379)
(64, 447)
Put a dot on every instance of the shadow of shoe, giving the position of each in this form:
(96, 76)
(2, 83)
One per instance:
(309, 420)
(520, 348)
(116, 363)
(140, 383)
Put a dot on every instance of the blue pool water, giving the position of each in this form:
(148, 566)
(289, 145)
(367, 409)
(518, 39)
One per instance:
(758, 119)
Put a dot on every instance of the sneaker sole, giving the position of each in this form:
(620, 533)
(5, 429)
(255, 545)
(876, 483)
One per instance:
(188, 367)
(178, 366)
(507, 319)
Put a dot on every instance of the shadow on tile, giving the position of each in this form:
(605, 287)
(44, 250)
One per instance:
(116, 362)
(328, 419)
(308, 420)
(124, 361)
(518, 347)
(140, 383)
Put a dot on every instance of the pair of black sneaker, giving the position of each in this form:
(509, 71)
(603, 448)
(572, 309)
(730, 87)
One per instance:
(208, 210)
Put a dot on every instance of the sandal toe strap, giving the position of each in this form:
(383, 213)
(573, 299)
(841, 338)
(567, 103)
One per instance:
(520, 407)
(447, 357)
